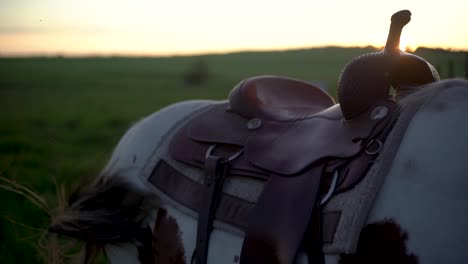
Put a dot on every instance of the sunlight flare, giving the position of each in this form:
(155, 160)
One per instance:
(404, 43)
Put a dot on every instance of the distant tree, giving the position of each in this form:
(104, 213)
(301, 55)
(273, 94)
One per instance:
(466, 65)
(197, 74)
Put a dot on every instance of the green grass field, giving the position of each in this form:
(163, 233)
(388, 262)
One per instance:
(60, 118)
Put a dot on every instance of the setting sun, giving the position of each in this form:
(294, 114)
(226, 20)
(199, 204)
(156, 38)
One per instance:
(403, 43)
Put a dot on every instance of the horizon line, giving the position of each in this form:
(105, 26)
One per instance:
(59, 54)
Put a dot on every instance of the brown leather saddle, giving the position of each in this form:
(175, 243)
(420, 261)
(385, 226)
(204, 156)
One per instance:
(291, 135)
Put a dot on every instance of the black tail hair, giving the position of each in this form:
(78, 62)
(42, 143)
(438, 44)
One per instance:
(110, 210)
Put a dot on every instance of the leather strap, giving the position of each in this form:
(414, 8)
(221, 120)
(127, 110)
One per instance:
(216, 169)
(280, 220)
(313, 244)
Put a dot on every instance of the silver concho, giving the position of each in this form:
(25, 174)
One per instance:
(254, 123)
(379, 112)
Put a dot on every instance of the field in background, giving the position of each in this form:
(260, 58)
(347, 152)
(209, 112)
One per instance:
(60, 118)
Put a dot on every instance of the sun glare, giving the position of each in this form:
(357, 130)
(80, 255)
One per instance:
(403, 43)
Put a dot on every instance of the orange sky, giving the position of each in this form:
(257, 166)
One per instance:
(154, 27)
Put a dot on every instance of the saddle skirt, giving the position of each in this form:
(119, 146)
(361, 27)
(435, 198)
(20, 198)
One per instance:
(285, 148)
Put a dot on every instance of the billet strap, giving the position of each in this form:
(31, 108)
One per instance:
(312, 243)
(281, 218)
(216, 169)
(232, 210)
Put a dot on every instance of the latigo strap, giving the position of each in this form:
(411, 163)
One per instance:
(216, 169)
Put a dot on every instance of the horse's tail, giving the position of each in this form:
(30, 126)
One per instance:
(110, 210)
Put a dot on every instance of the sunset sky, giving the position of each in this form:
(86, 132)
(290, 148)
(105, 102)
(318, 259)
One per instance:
(155, 27)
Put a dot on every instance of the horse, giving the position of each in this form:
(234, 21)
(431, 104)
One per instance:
(400, 197)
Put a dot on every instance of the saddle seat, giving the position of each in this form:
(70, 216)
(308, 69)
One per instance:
(278, 98)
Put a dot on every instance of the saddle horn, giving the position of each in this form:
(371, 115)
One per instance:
(398, 21)
(367, 79)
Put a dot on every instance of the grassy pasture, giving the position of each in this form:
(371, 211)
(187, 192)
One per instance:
(60, 118)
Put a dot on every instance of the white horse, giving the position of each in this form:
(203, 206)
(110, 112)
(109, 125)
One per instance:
(422, 202)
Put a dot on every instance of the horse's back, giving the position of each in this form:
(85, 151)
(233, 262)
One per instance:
(137, 144)
(425, 192)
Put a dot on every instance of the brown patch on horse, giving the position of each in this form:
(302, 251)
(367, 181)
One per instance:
(382, 242)
(259, 251)
(167, 241)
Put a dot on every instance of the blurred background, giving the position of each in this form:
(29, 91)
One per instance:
(74, 75)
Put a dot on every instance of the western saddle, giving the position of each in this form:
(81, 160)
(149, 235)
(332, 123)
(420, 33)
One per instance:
(294, 137)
